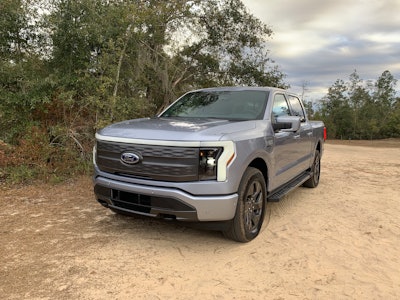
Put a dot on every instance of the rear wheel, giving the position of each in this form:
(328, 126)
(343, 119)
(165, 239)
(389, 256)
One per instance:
(250, 208)
(315, 172)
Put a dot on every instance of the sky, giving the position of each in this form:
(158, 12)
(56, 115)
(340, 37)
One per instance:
(316, 42)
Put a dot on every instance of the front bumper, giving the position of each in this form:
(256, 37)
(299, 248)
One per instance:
(164, 202)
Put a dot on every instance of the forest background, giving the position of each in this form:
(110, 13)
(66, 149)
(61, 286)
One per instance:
(70, 67)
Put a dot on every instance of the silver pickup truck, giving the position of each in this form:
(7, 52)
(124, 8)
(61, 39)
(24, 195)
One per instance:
(215, 156)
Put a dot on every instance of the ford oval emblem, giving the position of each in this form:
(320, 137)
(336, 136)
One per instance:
(130, 158)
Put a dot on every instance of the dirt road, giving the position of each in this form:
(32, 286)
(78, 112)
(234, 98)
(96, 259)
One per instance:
(338, 241)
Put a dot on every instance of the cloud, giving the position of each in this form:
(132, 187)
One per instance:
(321, 41)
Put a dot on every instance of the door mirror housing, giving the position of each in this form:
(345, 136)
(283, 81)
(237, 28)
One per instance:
(287, 123)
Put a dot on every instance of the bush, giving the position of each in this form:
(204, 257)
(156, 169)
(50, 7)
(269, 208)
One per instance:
(39, 155)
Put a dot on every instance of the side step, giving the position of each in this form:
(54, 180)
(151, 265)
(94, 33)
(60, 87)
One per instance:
(276, 195)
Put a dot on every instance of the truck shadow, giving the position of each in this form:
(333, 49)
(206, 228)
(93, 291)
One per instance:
(286, 204)
(138, 225)
(153, 228)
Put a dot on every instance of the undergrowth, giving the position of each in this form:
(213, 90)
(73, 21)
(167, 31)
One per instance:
(38, 157)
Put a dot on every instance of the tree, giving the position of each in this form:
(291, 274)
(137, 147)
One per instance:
(76, 65)
(336, 110)
(225, 45)
(362, 110)
(359, 98)
(309, 107)
(21, 68)
(385, 101)
(236, 42)
(14, 35)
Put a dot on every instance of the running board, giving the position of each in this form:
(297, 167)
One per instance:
(291, 185)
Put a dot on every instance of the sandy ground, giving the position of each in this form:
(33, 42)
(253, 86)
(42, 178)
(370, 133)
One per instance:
(338, 241)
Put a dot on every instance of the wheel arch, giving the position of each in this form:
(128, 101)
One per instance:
(318, 146)
(261, 165)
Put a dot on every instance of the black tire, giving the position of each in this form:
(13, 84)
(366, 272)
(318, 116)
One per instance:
(250, 209)
(315, 170)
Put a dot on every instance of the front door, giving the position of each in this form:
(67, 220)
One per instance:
(291, 151)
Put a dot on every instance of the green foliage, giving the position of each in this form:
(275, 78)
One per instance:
(69, 67)
(355, 110)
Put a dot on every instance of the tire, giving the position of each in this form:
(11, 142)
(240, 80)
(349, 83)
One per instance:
(250, 209)
(315, 172)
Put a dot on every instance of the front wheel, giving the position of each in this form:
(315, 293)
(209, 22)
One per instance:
(250, 209)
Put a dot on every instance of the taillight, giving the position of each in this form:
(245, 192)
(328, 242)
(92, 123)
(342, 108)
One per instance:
(325, 134)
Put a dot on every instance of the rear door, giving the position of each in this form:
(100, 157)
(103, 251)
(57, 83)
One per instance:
(304, 136)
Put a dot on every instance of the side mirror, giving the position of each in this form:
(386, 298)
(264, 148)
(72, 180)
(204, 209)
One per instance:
(287, 123)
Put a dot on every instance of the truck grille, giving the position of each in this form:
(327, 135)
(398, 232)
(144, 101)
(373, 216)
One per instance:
(157, 163)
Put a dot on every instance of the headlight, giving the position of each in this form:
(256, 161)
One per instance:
(208, 160)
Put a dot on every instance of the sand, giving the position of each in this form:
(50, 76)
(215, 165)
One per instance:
(338, 241)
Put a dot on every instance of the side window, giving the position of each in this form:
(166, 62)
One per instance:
(297, 108)
(280, 107)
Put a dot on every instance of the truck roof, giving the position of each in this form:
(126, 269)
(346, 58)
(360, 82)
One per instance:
(241, 88)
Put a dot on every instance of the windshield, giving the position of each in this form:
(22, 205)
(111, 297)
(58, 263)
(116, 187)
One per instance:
(230, 105)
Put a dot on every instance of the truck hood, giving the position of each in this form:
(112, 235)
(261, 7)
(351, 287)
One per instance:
(176, 129)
